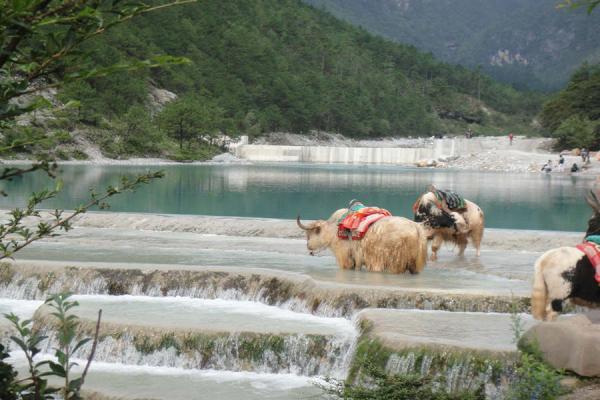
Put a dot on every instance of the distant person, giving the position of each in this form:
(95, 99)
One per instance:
(587, 156)
(574, 167)
(561, 163)
(584, 154)
(510, 138)
(547, 168)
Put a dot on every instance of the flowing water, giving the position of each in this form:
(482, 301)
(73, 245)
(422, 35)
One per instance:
(168, 383)
(517, 201)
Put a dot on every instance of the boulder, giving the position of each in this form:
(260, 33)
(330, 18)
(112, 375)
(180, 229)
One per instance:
(158, 98)
(226, 158)
(446, 159)
(426, 163)
(571, 343)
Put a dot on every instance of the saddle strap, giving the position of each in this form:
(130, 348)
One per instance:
(593, 254)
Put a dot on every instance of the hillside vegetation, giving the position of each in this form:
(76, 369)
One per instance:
(573, 115)
(277, 65)
(529, 43)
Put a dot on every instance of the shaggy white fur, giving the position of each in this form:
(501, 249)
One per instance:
(548, 279)
(392, 244)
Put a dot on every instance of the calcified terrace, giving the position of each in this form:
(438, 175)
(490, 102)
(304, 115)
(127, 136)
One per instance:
(184, 295)
(264, 260)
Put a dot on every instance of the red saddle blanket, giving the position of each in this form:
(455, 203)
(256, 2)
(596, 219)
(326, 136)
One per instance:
(593, 254)
(355, 224)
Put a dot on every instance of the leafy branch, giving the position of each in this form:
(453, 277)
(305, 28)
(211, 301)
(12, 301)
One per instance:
(590, 4)
(41, 41)
(35, 386)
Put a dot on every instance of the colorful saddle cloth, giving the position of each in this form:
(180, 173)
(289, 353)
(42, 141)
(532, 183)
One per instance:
(592, 251)
(454, 201)
(355, 223)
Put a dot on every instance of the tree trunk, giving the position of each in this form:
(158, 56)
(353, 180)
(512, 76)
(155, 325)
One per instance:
(180, 136)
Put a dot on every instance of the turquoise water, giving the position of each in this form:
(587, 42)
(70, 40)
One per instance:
(518, 201)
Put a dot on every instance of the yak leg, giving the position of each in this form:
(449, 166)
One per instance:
(435, 245)
(477, 245)
(476, 236)
(345, 259)
(461, 241)
(550, 313)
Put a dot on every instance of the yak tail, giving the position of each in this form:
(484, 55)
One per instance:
(540, 293)
(422, 249)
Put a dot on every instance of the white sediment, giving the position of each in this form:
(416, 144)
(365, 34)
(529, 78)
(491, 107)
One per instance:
(171, 383)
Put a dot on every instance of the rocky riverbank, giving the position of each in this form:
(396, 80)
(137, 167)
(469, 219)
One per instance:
(492, 153)
(477, 154)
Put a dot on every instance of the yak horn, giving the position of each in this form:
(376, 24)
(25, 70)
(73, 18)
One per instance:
(592, 200)
(301, 225)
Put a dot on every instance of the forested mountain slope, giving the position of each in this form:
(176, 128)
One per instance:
(259, 66)
(530, 43)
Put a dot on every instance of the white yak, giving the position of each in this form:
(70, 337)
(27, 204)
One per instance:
(392, 244)
(566, 273)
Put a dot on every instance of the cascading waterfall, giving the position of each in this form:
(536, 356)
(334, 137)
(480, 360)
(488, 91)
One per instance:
(299, 354)
(458, 373)
(302, 354)
(300, 296)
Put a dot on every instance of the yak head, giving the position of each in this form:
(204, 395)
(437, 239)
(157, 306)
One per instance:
(318, 236)
(431, 215)
(594, 222)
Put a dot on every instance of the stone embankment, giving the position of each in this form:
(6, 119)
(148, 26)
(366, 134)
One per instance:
(481, 153)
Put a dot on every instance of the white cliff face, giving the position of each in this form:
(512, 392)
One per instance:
(506, 57)
(158, 98)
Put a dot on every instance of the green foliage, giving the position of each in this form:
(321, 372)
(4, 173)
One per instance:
(132, 134)
(516, 322)
(573, 115)
(192, 119)
(382, 386)
(588, 4)
(41, 44)
(270, 65)
(35, 387)
(8, 386)
(577, 132)
(471, 32)
(535, 380)
(67, 325)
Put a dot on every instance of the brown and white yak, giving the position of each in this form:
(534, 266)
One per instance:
(445, 225)
(392, 244)
(566, 273)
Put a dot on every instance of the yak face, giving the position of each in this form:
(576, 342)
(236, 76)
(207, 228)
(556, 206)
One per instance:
(433, 217)
(315, 238)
